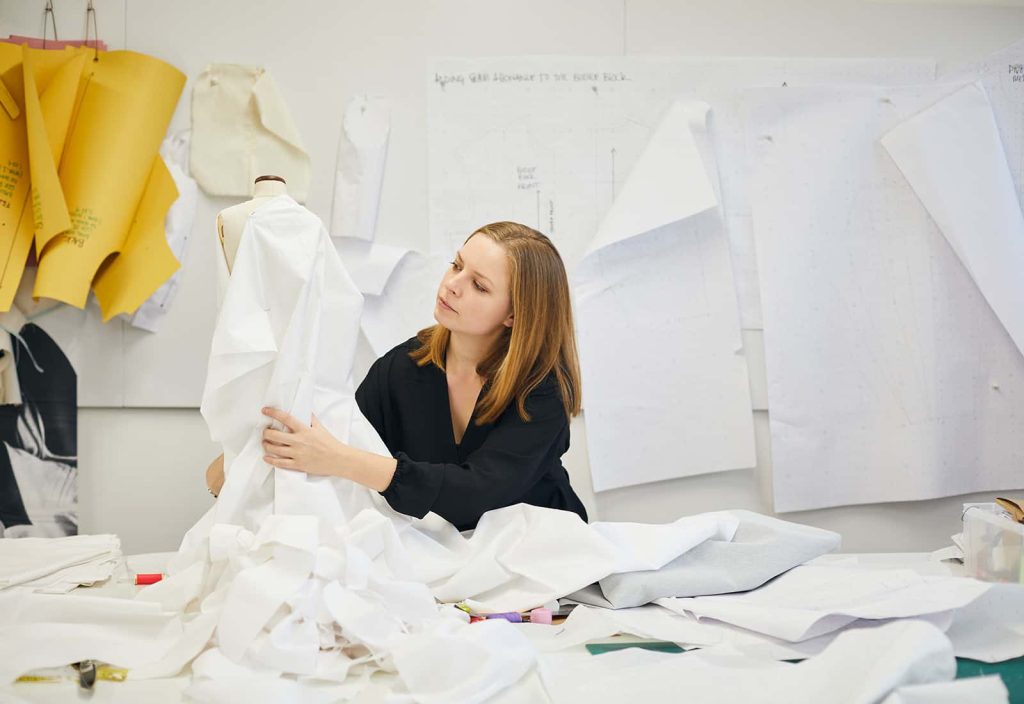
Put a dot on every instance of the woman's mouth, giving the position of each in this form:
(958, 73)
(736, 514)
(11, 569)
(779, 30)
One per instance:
(445, 305)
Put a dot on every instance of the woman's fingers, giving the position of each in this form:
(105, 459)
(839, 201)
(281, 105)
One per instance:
(280, 462)
(289, 421)
(283, 451)
(277, 436)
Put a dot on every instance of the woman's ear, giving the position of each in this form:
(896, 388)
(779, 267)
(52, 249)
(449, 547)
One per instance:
(508, 321)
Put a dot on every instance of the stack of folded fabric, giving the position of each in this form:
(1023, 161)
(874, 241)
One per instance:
(57, 565)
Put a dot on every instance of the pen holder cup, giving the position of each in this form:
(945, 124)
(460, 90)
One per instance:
(993, 544)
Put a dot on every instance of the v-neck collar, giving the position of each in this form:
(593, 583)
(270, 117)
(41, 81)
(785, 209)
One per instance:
(471, 425)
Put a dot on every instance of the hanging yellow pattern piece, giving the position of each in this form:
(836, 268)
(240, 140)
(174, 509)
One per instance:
(126, 102)
(16, 219)
(146, 260)
(52, 80)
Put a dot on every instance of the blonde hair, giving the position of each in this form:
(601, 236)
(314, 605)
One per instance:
(542, 339)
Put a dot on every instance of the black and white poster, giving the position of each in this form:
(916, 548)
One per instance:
(38, 438)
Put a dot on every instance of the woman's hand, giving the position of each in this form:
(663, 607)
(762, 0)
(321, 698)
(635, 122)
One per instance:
(304, 448)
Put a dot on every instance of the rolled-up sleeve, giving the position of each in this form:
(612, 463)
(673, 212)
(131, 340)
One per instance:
(499, 473)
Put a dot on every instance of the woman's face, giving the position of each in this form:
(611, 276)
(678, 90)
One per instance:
(475, 293)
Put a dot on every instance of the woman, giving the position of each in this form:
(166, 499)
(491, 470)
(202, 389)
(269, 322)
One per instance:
(475, 410)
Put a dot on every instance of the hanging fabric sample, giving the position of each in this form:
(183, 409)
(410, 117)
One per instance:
(241, 129)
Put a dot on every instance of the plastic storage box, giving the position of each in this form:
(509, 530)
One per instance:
(993, 544)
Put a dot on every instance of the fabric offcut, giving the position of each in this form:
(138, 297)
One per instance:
(242, 129)
(761, 549)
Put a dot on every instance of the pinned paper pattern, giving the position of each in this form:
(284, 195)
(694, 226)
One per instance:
(75, 165)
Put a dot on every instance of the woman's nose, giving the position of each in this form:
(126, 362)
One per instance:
(454, 285)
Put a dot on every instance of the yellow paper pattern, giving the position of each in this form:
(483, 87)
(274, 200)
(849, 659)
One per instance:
(126, 104)
(51, 85)
(146, 261)
(15, 211)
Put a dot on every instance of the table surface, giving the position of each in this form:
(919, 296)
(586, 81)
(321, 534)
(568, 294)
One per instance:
(529, 690)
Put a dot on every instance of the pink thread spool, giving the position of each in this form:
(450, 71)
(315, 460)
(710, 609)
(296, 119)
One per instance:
(541, 615)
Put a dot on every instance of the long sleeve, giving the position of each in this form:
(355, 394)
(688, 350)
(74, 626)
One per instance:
(499, 473)
(374, 400)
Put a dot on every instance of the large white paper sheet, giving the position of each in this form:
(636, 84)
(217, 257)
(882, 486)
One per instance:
(889, 376)
(1002, 75)
(666, 388)
(953, 157)
(810, 600)
(359, 172)
(977, 690)
(406, 303)
(861, 666)
(549, 141)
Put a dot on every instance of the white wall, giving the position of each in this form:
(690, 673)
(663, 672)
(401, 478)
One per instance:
(141, 469)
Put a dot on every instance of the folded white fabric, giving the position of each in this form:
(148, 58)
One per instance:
(51, 630)
(58, 564)
(812, 600)
(759, 549)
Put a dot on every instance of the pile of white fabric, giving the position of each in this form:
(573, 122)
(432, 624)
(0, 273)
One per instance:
(302, 587)
(57, 565)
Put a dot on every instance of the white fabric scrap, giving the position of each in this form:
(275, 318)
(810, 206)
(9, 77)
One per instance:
(241, 129)
(991, 628)
(757, 549)
(177, 229)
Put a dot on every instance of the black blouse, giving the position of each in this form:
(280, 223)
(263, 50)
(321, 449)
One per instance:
(497, 464)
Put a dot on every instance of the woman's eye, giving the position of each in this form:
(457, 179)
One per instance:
(455, 266)
(479, 287)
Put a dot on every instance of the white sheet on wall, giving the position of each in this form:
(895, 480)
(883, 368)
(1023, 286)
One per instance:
(1002, 76)
(889, 376)
(359, 171)
(666, 389)
(177, 227)
(549, 141)
(952, 156)
(407, 302)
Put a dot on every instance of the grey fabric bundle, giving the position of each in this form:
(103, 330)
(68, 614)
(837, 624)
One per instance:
(762, 548)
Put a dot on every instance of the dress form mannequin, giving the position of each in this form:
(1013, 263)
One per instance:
(231, 221)
(230, 225)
